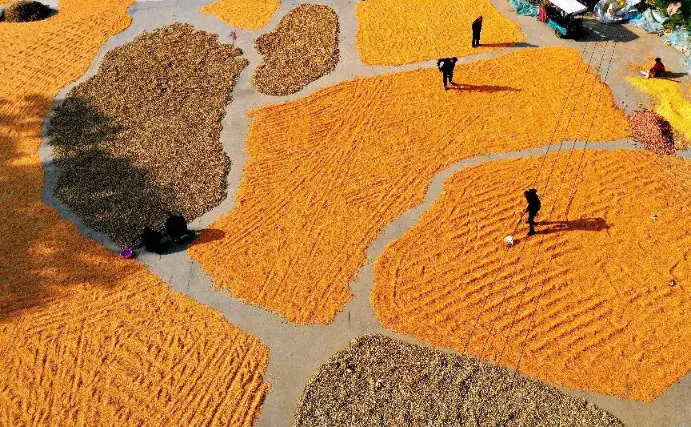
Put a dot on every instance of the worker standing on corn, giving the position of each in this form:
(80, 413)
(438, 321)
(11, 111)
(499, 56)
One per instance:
(446, 66)
(533, 208)
(477, 29)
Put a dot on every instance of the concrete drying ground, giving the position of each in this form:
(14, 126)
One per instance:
(296, 352)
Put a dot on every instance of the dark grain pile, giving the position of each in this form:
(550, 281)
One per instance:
(303, 48)
(142, 137)
(383, 382)
(25, 11)
(653, 132)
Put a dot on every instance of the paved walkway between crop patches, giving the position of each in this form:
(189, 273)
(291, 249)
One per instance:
(298, 351)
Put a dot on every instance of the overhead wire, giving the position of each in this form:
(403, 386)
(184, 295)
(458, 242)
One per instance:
(540, 293)
(520, 217)
(535, 180)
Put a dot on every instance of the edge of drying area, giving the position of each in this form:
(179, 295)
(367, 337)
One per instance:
(297, 351)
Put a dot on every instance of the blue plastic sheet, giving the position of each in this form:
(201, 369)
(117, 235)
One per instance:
(651, 21)
(681, 41)
(685, 61)
(557, 27)
(523, 7)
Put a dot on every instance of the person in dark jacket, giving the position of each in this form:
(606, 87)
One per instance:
(176, 226)
(533, 208)
(477, 29)
(446, 66)
(152, 240)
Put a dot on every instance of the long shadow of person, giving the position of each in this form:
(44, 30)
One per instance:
(583, 224)
(483, 88)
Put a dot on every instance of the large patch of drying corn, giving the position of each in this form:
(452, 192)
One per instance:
(378, 381)
(326, 173)
(670, 102)
(303, 48)
(248, 14)
(142, 137)
(585, 303)
(87, 338)
(394, 32)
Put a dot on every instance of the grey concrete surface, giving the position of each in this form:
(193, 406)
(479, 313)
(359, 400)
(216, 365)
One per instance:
(297, 351)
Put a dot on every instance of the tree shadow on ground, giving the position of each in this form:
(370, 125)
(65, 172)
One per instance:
(103, 187)
(42, 256)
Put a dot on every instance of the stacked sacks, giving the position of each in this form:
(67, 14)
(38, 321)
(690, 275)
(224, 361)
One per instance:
(614, 11)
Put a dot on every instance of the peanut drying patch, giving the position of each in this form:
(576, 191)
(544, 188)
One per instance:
(326, 173)
(600, 316)
(395, 32)
(384, 382)
(141, 138)
(86, 338)
(670, 102)
(248, 14)
(303, 48)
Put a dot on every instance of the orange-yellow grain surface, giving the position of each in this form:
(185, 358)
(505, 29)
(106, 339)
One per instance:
(601, 316)
(87, 338)
(326, 173)
(395, 32)
(670, 100)
(248, 14)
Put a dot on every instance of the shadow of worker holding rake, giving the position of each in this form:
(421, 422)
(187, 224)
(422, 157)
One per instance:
(583, 224)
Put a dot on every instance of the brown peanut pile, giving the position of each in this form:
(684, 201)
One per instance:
(142, 137)
(653, 132)
(303, 48)
(378, 381)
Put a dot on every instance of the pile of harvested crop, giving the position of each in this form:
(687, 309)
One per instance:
(652, 131)
(381, 381)
(142, 137)
(25, 11)
(303, 48)
(671, 103)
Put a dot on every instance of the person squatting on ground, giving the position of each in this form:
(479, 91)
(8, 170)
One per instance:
(477, 29)
(176, 229)
(176, 226)
(657, 71)
(152, 240)
(446, 66)
(533, 208)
